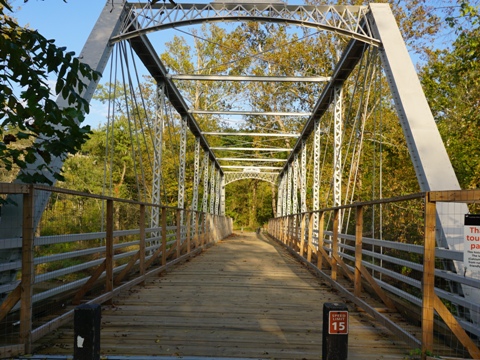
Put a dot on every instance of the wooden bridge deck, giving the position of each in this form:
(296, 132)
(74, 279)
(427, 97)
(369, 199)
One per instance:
(245, 297)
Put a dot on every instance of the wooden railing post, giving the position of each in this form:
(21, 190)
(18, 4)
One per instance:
(321, 224)
(208, 228)
(297, 221)
(275, 228)
(214, 227)
(222, 222)
(28, 271)
(109, 248)
(334, 253)
(358, 250)
(279, 229)
(164, 236)
(289, 230)
(428, 283)
(204, 228)
(179, 231)
(142, 240)
(310, 237)
(189, 230)
(201, 229)
(302, 234)
(220, 227)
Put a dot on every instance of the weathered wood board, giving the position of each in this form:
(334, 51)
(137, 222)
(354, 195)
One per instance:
(243, 298)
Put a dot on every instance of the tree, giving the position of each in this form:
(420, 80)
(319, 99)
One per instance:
(451, 82)
(33, 126)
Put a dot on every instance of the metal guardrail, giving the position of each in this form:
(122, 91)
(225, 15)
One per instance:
(63, 263)
(401, 264)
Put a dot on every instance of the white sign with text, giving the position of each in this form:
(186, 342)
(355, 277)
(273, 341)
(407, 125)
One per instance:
(471, 235)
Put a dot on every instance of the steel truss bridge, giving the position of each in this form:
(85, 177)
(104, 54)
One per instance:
(369, 33)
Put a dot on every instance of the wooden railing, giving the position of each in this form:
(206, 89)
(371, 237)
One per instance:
(390, 248)
(87, 249)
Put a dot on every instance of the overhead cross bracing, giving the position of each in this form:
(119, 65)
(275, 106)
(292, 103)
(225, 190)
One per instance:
(343, 20)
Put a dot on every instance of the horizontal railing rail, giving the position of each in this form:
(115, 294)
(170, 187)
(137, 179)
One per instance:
(390, 248)
(86, 249)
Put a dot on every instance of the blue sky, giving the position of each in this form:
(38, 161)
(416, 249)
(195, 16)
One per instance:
(69, 24)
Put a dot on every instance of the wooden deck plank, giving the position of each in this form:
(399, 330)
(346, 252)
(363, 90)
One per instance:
(245, 297)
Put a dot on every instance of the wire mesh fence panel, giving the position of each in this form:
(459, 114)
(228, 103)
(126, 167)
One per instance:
(14, 199)
(69, 250)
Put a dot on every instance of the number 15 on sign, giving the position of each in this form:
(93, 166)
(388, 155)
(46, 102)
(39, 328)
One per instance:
(338, 322)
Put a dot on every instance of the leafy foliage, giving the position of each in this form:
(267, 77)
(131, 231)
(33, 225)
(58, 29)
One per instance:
(451, 83)
(34, 128)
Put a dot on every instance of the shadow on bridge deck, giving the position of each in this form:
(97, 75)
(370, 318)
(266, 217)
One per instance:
(245, 297)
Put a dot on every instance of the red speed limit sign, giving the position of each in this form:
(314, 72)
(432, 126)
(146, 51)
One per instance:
(338, 322)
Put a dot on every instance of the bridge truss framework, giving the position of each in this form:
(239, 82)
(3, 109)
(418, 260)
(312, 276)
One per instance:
(365, 26)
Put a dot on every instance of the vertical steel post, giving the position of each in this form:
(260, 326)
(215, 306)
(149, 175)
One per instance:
(205, 182)
(157, 157)
(181, 170)
(295, 184)
(337, 150)
(316, 173)
(196, 181)
(196, 174)
(217, 192)
(212, 187)
(289, 189)
(280, 197)
(222, 195)
(303, 177)
(295, 178)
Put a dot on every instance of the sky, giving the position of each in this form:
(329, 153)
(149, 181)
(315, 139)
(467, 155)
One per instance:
(69, 24)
